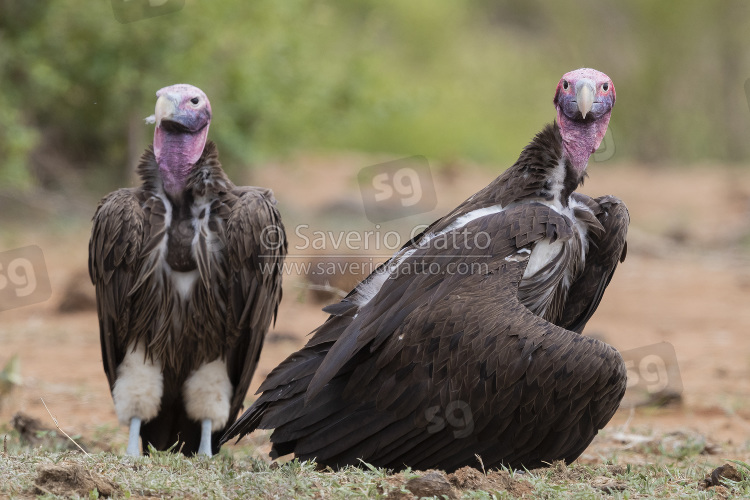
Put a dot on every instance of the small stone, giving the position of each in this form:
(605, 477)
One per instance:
(432, 484)
(726, 471)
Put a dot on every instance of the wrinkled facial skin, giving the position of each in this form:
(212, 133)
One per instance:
(182, 108)
(571, 87)
(182, 117)
(584, 99)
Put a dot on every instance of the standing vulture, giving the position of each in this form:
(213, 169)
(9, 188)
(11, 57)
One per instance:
(468, 340)
(187, 269)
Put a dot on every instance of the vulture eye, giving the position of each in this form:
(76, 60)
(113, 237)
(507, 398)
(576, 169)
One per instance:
(565, 85)
(605, 87)
(195, 100)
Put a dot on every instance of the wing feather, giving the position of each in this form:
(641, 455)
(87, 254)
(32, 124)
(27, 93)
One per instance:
(120, 227)
(256, 247)
(445, 336)
(607, 248)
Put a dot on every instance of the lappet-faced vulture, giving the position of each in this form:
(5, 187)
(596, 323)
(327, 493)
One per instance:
(468, 342)
(187, 269)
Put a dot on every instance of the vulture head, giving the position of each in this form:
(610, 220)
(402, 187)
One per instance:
(182, 117)
(584, 99)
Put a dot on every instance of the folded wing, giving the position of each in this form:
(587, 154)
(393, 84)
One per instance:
(445, 362)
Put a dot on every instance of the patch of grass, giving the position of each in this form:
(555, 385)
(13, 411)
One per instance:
(238, 472)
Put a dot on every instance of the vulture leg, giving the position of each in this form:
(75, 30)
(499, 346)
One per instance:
(135, 431)
(207, 393)
(205, 447)
(137, 392)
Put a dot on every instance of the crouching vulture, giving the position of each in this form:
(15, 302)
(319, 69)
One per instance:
(187, 269)
(467, 342)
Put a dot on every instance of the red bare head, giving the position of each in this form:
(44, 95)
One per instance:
(182, 117)
(584, 99)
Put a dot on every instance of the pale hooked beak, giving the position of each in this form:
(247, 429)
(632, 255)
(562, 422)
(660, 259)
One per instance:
(584, 96)
(165, 109)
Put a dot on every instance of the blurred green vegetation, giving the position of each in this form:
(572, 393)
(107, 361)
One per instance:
(467, 79)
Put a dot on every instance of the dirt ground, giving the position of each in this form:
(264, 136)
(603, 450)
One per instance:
(686, 281)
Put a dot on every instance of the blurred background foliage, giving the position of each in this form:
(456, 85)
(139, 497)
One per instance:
(466, 79)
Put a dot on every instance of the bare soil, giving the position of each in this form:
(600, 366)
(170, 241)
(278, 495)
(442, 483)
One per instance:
(686, 281)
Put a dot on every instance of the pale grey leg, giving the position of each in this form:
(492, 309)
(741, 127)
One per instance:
(205, 447)
(135, 434)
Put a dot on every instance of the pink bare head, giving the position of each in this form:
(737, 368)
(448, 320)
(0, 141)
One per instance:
(584, 100)
(182, 117)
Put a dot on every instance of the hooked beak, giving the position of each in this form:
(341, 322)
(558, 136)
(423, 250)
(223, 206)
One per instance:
(165, 109)
(584, 96)
(171, 118)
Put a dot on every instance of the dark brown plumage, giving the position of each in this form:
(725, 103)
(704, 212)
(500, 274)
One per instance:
(450, 350)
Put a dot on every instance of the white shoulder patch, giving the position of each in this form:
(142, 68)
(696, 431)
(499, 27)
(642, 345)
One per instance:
(473, 215)
(372, 287)
(462, 221)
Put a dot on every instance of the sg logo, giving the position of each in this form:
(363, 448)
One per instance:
(457, 414)
(23, 278)
(652, 371)
(405, 182)
(607, 148)
(397, 189)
